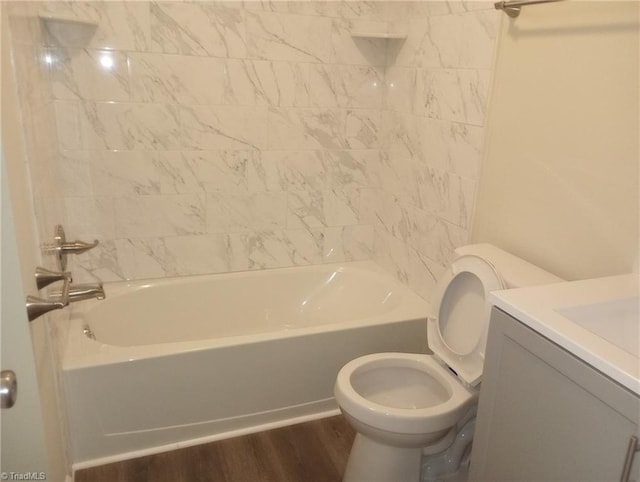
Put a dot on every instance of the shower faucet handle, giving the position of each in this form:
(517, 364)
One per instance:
(45, 277)
(37, 307)
(77, 247)
(61, 247)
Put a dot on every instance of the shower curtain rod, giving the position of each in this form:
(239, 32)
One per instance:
(512, 8)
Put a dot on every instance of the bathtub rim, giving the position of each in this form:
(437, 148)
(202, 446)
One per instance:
(80, 352)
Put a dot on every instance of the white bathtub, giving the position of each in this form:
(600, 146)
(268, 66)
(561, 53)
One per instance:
(188, 360)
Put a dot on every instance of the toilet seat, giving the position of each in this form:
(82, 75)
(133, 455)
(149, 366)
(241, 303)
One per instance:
(457, 327)
(441, 414)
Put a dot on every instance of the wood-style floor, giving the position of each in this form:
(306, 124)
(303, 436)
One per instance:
(315, 451)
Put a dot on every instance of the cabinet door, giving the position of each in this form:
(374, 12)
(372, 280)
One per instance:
(544, 415)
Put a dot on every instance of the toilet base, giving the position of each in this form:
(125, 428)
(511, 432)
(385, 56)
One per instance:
(370, 461)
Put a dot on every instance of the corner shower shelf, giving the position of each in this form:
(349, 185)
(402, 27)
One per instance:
(379, 35)
(69, 30)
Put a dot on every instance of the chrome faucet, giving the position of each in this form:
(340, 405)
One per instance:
(37, 307)
(69, 293)
(86, 292)
(45, 277)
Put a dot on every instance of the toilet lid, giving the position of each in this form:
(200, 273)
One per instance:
(457, 328)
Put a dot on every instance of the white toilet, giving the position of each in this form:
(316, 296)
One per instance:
(414, 414)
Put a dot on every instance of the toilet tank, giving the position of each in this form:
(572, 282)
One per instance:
(515, 272)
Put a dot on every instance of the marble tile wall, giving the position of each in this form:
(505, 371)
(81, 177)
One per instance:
(200, 137)
(433, 127)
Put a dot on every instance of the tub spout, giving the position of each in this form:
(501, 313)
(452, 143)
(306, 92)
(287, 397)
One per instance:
(86, 292)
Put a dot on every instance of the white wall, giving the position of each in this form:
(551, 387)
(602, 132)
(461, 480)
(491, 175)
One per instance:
(559, 183)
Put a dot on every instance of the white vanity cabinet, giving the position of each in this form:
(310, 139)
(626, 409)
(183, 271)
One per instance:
(546, 415)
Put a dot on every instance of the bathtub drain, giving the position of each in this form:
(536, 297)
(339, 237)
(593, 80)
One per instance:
(87, 332)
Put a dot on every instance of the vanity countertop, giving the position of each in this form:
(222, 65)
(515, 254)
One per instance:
(596, 320)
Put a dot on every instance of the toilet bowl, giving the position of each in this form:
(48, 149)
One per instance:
(405, 400)
(404, 406)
